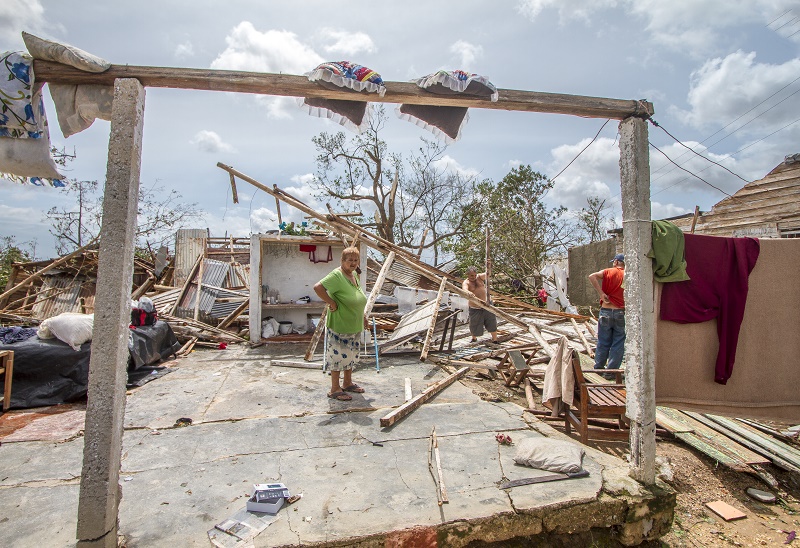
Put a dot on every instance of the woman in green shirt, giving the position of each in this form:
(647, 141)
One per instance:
(345, 321)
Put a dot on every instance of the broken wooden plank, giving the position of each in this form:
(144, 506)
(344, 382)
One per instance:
(432, 327)
(186, 284)
(409, 394)
(296, 364)
(586, 344)
(318, 333)
(233, 315)
(376, 288)
(533, 330)
(408, 407)
(198, 293)
(441, 486)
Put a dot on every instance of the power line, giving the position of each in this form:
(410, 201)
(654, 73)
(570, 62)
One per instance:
(581, 152)
(687, 171)
(735, 120)
(783, 25)
(778, 17)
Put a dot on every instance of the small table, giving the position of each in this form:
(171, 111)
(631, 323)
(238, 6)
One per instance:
(7, 368)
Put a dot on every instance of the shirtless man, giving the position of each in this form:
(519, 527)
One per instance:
(475, 285)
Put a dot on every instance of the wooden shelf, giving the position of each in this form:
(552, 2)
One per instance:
(294, 306)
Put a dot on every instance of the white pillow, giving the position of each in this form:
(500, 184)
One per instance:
(549, 454)
(71, 327)
(48, 50)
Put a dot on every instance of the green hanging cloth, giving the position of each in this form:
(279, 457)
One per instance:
(669, 264)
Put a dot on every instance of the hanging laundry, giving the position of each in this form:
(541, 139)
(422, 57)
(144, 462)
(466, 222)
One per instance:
(312, 253)
(719, 269)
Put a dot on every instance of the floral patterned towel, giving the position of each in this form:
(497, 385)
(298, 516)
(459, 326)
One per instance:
(19, 117)
(353, 115)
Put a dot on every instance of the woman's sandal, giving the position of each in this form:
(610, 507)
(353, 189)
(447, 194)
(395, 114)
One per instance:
(341, 396)
(354, 388)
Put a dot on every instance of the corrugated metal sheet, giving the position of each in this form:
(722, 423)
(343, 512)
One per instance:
(189, 243)
(215, 274)
(65, 293)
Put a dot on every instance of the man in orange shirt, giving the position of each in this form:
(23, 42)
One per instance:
(610, 285)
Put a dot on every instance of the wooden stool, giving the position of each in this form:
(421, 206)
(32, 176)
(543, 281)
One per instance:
(7, 368)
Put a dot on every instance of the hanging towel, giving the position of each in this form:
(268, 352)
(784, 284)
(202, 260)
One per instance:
(767, 374)
(719, 269)
(559, 379)
(667, 253)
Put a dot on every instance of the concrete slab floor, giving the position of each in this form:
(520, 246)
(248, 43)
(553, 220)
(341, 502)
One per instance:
(254, 422)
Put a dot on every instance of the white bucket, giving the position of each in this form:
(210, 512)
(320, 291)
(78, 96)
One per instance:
(285, 328)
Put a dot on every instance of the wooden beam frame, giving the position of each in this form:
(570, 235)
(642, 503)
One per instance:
(288, 85)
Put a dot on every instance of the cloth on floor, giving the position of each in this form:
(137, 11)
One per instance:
(765, 383)
(24, 136)
(9, 335)
(347, 76)
(719, 269)
(446, 122)
(667, 253)
(559, 379)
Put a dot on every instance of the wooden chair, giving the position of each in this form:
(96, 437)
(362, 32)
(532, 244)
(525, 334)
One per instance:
(514, 368)
(7, 369)
(596, 401)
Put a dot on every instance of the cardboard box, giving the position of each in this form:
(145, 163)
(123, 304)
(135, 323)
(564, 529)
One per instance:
(267, 497)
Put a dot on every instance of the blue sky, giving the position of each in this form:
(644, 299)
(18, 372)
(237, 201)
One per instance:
(724, 76)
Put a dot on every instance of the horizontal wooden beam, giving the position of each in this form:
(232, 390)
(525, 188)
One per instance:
(289, 85)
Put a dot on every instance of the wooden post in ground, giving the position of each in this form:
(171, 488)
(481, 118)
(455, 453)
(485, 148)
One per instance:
(98, 501)
(634, 167)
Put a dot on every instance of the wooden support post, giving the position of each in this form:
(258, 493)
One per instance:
(198, 294)
(639, 305)
(422, 242)
(694, 218)
(318, 332)
(421, 398)
(376, 289)
(98, 501)
(233, 189)
(186, 284)
(432, 327)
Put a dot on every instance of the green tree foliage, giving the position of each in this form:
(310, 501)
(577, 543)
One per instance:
(10, 253)
(524, 231)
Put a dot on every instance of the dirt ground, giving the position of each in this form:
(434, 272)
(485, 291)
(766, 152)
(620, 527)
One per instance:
(698, 479)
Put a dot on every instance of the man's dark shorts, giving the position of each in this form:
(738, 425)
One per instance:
(480, 318)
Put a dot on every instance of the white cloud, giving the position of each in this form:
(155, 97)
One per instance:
(594, 174)
(184, 50)
(302, 180)
(448, 163)
(209, 141)
(567, 9)
(725, 88)
(467, 53)
(271, 51)
(346, 43)
(694, 27)
(278, 108)
(20, 14)
(665, 211)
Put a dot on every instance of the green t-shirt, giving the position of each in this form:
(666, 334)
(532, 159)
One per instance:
(350, 303)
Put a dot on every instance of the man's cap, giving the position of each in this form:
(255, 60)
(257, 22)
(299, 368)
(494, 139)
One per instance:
(618, 257)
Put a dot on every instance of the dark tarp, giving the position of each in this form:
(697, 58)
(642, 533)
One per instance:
(49, 371)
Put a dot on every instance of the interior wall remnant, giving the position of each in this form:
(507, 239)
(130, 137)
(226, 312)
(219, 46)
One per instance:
(583, 260)
(98, 501)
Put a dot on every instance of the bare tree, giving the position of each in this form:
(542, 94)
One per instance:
(361, 170)
(434, 200)
(595, 220)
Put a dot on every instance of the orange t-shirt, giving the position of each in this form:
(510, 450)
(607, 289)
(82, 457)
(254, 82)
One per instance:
(614, 286)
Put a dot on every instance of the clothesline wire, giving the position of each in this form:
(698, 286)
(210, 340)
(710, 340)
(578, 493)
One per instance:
(737, 119)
